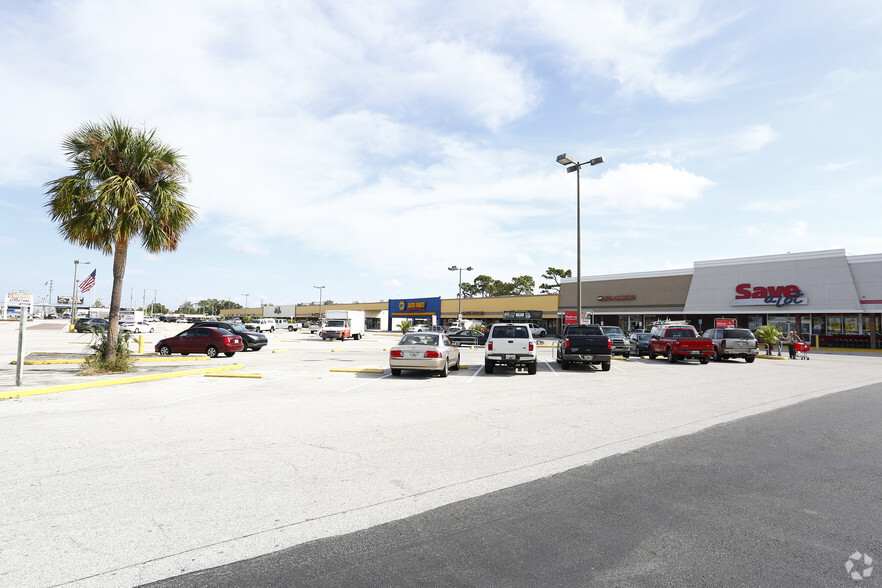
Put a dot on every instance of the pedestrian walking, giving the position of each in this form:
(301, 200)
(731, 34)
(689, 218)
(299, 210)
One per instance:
(780, 344)
(792, 340)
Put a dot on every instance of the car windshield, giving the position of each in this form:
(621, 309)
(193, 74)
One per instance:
(737, 334)
(613, 331)
(584, 330)
(643, 336)
(337, 323)
(511, 332)
(681, 333)
(419, 340)
(237, 328)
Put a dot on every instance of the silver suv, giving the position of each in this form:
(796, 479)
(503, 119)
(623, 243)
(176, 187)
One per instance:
(620, 343)
(732, 343)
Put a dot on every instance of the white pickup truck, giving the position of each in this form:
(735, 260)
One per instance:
(262, 324)
(510, 344)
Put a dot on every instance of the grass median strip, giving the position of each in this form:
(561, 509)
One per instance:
(115, 381)
(138, 359)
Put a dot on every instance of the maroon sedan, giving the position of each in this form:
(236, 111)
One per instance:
(207, 340)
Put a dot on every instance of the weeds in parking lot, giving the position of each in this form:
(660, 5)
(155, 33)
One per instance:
(96, 363)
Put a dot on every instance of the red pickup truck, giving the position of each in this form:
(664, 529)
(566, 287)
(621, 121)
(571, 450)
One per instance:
(679, 342)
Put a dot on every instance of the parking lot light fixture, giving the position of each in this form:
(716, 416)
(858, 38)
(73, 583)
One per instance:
(246, 300)
(454, 268)
(575, 166)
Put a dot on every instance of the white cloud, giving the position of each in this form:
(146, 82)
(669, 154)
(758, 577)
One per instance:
(645, 186)
(636, 44)
(753, 138)
(836, 166)
(393, 283)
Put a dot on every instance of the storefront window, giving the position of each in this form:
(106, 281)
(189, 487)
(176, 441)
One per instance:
(851, 324)
(819, 325)
(754, 321)
(868, 323)
(785, 323)
(834, 324)
(805, 324)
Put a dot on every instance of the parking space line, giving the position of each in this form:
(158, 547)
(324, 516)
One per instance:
(366, 383)
(478, 371)
(551, 369)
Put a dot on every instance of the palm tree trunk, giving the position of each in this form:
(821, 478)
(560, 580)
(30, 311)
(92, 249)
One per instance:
(120, 252)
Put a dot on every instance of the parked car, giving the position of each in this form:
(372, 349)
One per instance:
(679, 341)
(293, 326)
(620, 345)
(639, 343)
(208, 340)
(251, 340)
(315, 327)
(263, 324)
(424, 351)
(510, 344)
(586, 344)
(424, 328)
(90, 324)
(733, 343)
(136, 327)
(536, 330)
(469, 337)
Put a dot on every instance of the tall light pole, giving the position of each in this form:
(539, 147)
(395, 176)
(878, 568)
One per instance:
(246, 300)
(320, 288)
(454, 268)
(73, 300)
(575, 166)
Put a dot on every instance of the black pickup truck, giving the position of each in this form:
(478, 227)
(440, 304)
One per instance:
(584, 344)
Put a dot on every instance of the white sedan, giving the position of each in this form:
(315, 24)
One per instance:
(136, 327)
(424, 351)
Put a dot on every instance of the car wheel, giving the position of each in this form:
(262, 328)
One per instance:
(211, 351)
(229, 353)
(542, 333)
(717, 356)
(488, 366)
(443, 371)
(749, 359)
(151, 329)
(703, 361)
(290, 328)
(531, 368)
(165, 350)
(185, 353)
(455, 366)
(137, 330)
(396, 372)
(652, 355)
(606, 365)
(671, 357)
(564, 365)
(356, 337)
(627, 355)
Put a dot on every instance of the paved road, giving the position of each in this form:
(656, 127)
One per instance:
(127, 484)
(779, 499)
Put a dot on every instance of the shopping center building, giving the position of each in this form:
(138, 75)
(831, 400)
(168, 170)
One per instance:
(831, 296)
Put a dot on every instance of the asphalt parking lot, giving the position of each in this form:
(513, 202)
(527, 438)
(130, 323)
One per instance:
(128, 483)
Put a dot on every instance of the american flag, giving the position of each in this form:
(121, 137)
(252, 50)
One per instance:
(89, 282)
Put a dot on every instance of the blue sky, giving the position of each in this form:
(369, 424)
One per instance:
(366, 147)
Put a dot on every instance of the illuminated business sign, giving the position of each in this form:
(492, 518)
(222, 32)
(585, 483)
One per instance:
(616, 298)
(416, 306)
(747, 295)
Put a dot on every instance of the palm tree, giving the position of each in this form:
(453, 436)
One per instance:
(125, 184)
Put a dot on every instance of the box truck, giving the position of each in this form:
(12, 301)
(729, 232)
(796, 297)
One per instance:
(342, 324)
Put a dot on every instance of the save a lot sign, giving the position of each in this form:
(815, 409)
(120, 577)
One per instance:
(749, 295)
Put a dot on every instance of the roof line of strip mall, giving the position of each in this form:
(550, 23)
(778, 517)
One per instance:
(114, 382)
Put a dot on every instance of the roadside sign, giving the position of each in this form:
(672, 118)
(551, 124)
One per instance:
(724, 323)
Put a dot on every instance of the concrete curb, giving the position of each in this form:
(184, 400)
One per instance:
(114, 382)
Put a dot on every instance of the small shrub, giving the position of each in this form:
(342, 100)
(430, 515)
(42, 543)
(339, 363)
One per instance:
(405, 326)
(96, 363)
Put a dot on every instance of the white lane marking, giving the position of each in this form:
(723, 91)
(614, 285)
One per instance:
(366, 383)
(478, 371)
(551, 369)
(191, 397)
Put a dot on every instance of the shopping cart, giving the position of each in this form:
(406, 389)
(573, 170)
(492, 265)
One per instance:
(802, 350)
